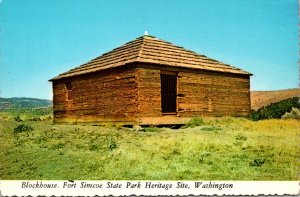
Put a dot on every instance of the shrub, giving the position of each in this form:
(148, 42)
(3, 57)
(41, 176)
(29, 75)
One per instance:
(97, 144)
(18, 119)
(112, 143)
(22, 128)
(294, 114)
(257, 162)
(48, 117)
(239, 140)
(197, 121)
(203, 157)
(92, 147)
(102, 144)
(275, 110)
(175, 151)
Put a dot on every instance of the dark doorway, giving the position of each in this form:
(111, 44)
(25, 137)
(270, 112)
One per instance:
(168, 93)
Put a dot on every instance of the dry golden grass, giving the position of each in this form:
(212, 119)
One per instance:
(220, 149)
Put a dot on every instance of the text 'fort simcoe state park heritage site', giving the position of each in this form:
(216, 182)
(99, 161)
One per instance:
(149, 81)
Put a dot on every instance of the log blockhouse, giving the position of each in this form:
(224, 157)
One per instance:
(150, 81)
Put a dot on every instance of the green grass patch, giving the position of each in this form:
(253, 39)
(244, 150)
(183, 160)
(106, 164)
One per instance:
(151, 129)
(27, 114)
(197, 121)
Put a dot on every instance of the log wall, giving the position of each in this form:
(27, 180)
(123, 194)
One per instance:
(216, 94)
(199, 92)
(109, 95)
(149, 96)
(132, 94)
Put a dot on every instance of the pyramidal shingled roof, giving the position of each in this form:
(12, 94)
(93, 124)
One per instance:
(148, 49)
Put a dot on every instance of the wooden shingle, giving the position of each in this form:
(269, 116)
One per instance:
(148, 49)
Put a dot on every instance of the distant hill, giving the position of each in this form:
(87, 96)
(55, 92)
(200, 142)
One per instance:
(263, 98)
(23, 103)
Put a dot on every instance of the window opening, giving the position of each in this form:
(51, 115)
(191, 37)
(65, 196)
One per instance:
(69, 95)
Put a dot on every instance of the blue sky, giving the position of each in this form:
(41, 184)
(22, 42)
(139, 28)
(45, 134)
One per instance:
(40, 39)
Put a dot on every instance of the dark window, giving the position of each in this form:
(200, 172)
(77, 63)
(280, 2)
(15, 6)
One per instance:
(168, 93)
(69, 95)
(69, 86)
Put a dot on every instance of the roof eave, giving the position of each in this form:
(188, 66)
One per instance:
(55, 78)
(63, 77)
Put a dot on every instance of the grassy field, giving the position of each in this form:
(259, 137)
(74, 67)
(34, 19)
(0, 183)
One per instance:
(219, 149)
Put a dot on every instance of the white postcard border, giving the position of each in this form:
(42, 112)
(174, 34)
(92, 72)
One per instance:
(149, 188)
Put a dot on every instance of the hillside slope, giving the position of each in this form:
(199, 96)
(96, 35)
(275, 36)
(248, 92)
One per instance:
(23, 103)
(263, 98)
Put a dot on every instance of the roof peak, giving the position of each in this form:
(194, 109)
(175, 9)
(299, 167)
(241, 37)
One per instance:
(147, 36)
